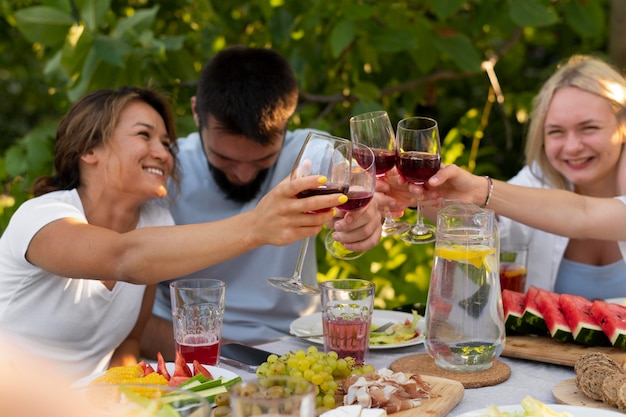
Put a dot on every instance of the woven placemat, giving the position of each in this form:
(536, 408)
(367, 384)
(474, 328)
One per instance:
(424, 364)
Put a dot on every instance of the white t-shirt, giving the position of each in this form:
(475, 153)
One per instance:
(77, 323)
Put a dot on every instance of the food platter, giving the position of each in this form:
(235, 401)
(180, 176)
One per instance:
(312, 325)
(445, 395)
(575, 411)
(215, 371)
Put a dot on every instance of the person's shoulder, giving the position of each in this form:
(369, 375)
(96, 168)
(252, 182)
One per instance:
(61, 197)
(530, 177)
(36, 212)
(191, 142)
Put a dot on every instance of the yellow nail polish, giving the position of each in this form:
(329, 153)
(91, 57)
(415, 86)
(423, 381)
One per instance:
(343, 199)
(334, 212)
(322, 180)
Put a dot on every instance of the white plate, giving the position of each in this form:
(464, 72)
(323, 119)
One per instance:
(215, 371)
(312, 324)
(574, 410)
(620, 301)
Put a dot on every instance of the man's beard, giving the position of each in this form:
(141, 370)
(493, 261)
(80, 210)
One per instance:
(238, 193)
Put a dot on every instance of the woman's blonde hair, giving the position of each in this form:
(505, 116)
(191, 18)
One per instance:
(586, 73)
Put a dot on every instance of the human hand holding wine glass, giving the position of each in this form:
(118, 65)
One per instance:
(361, 190)
(374, 130)
(330, 157)
(418, 159)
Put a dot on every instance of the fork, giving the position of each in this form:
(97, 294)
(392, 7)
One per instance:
(378, 329)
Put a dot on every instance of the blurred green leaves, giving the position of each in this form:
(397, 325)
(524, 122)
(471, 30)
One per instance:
(408, 57)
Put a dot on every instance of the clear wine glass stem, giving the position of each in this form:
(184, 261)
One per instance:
(391, 226)
(295, 283)
(419, 226)
(303, 249)
(388, 218)
(420, 232)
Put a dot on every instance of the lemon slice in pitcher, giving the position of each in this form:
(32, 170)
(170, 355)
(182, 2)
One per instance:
(476, 255)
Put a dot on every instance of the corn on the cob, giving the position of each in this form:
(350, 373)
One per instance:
(132, 374)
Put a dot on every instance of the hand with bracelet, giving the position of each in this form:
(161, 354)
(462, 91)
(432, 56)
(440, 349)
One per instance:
(455, 183)
(555, 211)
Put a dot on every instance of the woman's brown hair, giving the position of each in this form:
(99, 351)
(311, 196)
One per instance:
(90, 123)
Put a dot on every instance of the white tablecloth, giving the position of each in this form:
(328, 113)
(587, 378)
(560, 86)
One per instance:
(527, 377)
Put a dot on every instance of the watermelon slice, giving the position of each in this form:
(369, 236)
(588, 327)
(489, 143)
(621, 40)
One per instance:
(513, 303)
(612, 319)
(548, 305)
(532, 316)
(585, 329)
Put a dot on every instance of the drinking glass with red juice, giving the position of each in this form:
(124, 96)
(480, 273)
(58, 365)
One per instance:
(513, 264)
(197, 313)
(347, 307)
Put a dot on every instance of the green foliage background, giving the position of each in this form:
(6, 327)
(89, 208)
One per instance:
(409, 57)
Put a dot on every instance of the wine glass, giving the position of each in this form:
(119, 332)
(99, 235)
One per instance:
(418, 159)
(373, 129)
(320, 155)
(360, 192)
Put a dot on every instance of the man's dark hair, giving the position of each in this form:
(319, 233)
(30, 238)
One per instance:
(250, 91)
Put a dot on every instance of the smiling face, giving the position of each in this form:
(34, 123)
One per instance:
(137, 160)
(582, 140)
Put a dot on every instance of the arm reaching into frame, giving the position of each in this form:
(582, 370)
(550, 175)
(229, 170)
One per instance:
(556, 211)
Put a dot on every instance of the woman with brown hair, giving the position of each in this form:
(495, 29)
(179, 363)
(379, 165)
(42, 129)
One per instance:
(76, 259)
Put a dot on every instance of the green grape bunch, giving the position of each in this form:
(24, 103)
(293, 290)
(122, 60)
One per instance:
(322, 369)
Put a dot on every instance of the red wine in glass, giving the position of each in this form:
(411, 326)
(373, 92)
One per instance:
(374, 129)
(418, 167)
(356, 200)
(418, 148)
(325, 155)
(324, 190)
(383, 158)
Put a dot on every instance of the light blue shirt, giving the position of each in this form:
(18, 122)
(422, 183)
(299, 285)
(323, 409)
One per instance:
(590, 281)
(255, 312)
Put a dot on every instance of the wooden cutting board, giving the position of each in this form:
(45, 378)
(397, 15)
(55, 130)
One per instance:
(445, 395)
(545, 349)
(566, 392)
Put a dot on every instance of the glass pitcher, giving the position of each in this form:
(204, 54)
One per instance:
(464, 318)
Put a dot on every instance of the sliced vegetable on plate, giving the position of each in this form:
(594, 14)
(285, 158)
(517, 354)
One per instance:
(397, 333)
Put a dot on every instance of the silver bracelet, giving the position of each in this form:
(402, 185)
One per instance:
(489, 191)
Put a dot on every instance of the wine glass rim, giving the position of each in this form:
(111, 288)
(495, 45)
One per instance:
(376, 114)
(356, 145)
(403, 122)
(327, 135)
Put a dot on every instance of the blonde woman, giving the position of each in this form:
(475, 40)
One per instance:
(575, 142)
